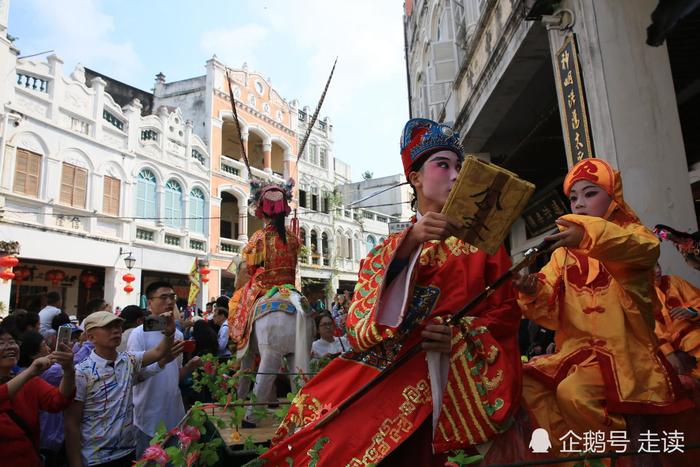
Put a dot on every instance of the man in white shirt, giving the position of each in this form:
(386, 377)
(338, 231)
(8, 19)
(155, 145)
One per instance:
(54, 302)
(157, 396)
(221, 320)
(99, 423)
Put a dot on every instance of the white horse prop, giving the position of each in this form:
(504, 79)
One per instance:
(282, 328)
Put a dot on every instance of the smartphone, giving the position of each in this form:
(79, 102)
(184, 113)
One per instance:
(154, 323)
(63, 336)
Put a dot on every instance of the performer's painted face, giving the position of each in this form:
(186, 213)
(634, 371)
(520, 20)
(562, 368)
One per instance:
(436, 177)
(589, 199)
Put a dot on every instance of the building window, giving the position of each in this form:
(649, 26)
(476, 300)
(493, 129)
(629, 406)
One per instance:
(326, 202)
(323, 158)
(173, 204)
(172, 240)
(198, 156)
(149, 135)
(313, 154)
(266, 108)
(302, 196)
(197, 211)
(27, 172)
(113, 120)
(73, 186)
(314, 198)
(251, 100)
(142, 234)
(146, 194)
(110, 198)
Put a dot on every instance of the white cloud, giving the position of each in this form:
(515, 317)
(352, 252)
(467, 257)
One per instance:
(79, 31)
(367, 99)
(366, 36)
(234, 46)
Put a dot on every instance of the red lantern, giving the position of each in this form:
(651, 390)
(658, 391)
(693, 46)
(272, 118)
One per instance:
(204, 271)
(128, 288)
(7, 275)
(128, 278)
(22, 273)
(88, 279)
(8, 261)
(55, 276)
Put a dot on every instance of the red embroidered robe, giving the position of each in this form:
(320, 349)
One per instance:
(482, 390)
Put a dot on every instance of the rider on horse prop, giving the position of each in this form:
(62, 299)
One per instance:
(265, 313)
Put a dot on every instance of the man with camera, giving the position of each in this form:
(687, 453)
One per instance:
(157, 395)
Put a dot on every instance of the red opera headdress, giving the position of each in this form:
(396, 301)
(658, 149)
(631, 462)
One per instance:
(422, 137)
(270, 199)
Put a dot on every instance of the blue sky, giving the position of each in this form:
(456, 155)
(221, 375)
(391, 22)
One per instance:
(294, 42)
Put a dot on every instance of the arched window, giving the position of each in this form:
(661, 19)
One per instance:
(173, 204)
(196, 211)
(325, 249)
(146, 194)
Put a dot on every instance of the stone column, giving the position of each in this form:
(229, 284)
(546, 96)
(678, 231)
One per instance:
(244, 137)
(56, 88)
(98, 86)
(267, 156)
(634, 119)
(242, 220)
(308, 247)
(133, 117)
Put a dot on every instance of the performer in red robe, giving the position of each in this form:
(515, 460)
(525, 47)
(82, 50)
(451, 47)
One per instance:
(458, 394)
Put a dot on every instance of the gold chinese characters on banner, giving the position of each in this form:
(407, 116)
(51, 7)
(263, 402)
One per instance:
(572, 102)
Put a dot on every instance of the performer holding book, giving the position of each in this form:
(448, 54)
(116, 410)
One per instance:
(458, 394)
(597, 293)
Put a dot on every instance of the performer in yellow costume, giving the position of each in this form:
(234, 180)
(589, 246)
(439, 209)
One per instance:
(597, 293)
(678, 324)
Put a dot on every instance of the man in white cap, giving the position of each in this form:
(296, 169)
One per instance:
(99, 423)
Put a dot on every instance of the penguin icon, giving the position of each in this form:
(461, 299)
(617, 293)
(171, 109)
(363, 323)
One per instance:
(540, 441)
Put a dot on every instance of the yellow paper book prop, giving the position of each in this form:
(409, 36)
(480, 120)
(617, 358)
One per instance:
(486, 200)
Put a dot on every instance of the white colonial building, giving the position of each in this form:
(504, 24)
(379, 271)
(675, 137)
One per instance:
(335, 238)
(523, 80)
(85, 183)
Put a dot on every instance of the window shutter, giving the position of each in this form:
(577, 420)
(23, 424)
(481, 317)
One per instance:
(67, 175)
(111, 196)
(141, 201)
(151, 199)
(79, 187)
(27, 172)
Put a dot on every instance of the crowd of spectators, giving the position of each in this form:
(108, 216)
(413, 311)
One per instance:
(98, 397)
